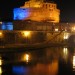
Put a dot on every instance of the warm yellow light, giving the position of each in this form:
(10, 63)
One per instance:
(26, 57)
(0, 33)
(65, 54)
(73, 28)
(26, 33)
(0, 22)
(0, 61)
(0, 70)
(65, 51)
(56, 29)
(37, 5)
(73, 62)
(65, 29)
(66, 35)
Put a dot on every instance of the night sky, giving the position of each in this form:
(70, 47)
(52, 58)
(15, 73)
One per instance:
(6, 8)
(67, 9)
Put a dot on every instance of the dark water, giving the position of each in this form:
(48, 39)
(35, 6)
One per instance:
(48, 61)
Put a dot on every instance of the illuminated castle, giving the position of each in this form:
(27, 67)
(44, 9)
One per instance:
(37, 10)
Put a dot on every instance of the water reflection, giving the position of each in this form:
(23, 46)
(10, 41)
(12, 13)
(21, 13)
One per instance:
(19, 70)
(26, 57)
(0, 61)
(74, 61)
(38, 69)
(0, 70)
(65, 50)
(65, 53)
(48, 61)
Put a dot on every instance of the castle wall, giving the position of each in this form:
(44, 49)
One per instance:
(38, 11)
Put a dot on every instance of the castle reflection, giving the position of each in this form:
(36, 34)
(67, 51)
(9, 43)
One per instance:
(48, 61)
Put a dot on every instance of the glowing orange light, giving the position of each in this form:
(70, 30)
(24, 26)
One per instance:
(26, 33)
(0, 33)
(66, 35)
(0, 61)
(0, 70)
(26, 57)
(56, 29)
(74, 62)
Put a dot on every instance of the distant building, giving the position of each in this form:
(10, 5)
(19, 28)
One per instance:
(37, 10)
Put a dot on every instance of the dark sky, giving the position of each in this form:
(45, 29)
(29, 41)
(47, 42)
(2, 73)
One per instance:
(6, 8)
(67, 9)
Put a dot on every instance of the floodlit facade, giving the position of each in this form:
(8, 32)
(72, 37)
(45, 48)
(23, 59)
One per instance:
(38, 11)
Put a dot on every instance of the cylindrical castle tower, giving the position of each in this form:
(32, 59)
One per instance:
(39, 10)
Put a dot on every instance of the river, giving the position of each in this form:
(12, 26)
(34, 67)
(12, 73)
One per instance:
(47, 61)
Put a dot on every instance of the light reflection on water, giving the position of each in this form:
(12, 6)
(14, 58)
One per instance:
(26, 57)
(0, 70)
(38, 69)
(74, 62)
(49, 61)
(0, 61)
(65, 53)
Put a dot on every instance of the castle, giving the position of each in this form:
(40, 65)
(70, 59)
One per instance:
(37, 10)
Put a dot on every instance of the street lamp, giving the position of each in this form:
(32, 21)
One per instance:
(1, 34)
(26, 57)
(26, 34)
(56, 29)
(1, 38)
(66, 36)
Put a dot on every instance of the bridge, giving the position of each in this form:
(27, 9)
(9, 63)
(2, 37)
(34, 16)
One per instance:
(42, 26)
(35, 34)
